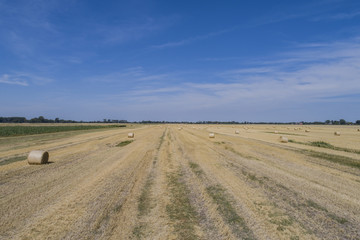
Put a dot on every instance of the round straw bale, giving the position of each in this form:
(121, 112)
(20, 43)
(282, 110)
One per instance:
(212, 135)
(307, 130)
(337, 133)
(284, 139)
(358, 129)
(38, 157)
(131, 135)
(237, 132)
(276, 132)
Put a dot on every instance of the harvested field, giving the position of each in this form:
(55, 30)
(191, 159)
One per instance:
(171, 184)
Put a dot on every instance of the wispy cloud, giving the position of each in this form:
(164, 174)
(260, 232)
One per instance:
(129, 75)
(221, 59)
(116, 34)
(24, 79)
(190, 39)
(6, 79)
(315, 75)
(25, 27)
(136, 29)
(338, 16)
(267, 90)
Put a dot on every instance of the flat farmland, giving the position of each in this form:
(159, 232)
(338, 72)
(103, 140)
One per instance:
(174, 182)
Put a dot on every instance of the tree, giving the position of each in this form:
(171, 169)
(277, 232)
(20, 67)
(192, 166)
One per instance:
(327, 122)
(342, 122)
(358, 122)
(41, 119)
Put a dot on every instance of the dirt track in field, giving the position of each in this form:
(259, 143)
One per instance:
(172, 183)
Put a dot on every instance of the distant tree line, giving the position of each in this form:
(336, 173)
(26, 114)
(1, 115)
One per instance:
(41, 119)
(327, 122)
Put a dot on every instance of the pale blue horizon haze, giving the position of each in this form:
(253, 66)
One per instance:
(180, 60)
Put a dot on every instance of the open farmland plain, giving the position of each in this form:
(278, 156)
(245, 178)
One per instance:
(174, 182)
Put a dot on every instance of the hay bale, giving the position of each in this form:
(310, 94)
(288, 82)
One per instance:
(358, 129)
(276, 132)
(38, 157)
(212, 135)
(131, 135)
(284, 139)
(337, 133)
(307, 130)
(237, 132)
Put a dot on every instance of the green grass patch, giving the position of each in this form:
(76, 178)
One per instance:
(12, 160)
(338, 219)
(227, 210)
(282, 224)
(240, 154)
(180, 210)
(161, 140)
(124, 143)
(196, 168)
(281, 220)
(313, 204)
(323, 144)
(10, 131)
(144, 206)
(347, 161)
(138, 231)
(283, 133)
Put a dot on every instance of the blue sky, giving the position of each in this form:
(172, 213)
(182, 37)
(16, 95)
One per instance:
(180, 60)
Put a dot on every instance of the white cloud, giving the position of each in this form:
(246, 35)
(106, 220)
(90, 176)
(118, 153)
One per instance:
(24, 79)
(5, 78)
(131, 30)
(129, 75)
(338, 16)
(316, 74)
(190, 39)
